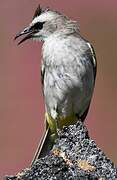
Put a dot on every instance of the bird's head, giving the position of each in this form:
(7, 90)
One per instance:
(44, 23)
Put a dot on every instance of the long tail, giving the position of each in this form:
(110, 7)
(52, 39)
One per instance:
(44, 146)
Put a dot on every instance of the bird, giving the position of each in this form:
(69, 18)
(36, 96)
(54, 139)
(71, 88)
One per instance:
(68, 72)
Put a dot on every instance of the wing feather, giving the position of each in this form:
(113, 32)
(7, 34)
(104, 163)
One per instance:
(93, 58)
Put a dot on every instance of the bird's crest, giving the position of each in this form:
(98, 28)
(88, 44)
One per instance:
(38, 11)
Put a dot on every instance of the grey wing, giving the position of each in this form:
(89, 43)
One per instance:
(42, 73)
(92, 57)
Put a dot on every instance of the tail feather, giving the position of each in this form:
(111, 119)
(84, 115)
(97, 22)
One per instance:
(44, 146)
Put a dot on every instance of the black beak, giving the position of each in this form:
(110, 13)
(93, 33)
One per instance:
(28, 31)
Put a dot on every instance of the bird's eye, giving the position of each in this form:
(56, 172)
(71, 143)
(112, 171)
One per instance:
(37, 26)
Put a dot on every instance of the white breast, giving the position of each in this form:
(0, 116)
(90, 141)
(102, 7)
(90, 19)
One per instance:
(68, 81)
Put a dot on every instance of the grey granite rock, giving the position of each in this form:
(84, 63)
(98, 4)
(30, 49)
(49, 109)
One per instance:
(75, 156)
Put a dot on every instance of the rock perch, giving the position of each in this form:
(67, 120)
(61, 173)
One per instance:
(75, 156)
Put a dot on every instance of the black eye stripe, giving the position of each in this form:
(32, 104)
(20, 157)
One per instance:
(37, 26)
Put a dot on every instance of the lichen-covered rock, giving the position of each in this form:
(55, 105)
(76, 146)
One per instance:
(74, 157)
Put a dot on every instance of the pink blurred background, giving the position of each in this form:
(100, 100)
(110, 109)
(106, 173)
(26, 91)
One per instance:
(21, 100)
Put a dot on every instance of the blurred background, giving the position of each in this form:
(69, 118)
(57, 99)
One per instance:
(21, 100)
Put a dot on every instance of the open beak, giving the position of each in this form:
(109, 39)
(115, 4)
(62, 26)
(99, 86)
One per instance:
(27, 31)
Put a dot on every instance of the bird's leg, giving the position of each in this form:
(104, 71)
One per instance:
(58, 123)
